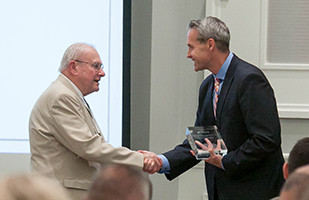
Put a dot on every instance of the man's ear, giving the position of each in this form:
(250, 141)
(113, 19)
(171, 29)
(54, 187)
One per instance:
(285, 169)
(72, 67)
(211, 43)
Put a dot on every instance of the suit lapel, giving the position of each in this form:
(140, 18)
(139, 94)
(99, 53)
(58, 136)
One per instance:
(208, 103)
(226, 86)
(88, 116)
(205, 115)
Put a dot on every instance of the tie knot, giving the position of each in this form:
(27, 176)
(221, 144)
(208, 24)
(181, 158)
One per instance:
(218, 80)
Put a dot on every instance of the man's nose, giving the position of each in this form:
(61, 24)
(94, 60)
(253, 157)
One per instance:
(101, 72)
(189, 54)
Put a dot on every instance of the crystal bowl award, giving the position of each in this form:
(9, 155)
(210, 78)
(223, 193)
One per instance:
(203, 139)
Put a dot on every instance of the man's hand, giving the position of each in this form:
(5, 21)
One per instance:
(152, 163)
(214, 159)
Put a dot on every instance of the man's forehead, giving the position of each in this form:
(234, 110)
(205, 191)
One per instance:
(90, 52)
(193, 34)
(192, 37)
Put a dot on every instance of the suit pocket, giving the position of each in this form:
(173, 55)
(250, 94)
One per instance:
(77, 184)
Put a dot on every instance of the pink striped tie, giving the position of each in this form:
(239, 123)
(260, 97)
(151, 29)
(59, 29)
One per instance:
(217, 86)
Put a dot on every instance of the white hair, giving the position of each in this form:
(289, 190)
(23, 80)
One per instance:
(73, 52)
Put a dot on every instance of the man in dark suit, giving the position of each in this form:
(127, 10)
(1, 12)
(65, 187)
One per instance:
(245, 113)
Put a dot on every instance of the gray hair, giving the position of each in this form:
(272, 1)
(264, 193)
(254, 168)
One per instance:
(73, 52)
(212, 27)
(119, 181)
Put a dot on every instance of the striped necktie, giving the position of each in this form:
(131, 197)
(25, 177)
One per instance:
(217, 86)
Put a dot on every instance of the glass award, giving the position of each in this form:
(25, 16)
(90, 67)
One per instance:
(214, 141)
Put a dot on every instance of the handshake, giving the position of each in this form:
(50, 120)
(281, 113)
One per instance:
(152, 163)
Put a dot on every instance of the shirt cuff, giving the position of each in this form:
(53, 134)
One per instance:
(166, 165)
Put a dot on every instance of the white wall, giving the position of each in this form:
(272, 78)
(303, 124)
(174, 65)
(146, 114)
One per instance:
(166, 99)
(174, 89)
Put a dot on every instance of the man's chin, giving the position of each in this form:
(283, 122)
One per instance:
(196, 69)
(95, 89)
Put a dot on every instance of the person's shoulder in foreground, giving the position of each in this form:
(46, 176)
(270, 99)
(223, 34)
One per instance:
(30, 187)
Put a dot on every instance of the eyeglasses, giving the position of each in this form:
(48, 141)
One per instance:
(96, 66)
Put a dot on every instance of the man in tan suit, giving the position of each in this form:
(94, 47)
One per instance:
(65, 140)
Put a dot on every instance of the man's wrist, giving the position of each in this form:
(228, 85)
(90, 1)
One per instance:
(165, 164)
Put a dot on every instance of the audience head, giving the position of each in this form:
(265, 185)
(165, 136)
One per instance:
(212, 27)
(299, 156)
(296, 186)
(30, 187)
(120, 182)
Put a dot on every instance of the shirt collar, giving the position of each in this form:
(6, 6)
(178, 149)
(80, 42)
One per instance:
(222, 72)
(80, 94)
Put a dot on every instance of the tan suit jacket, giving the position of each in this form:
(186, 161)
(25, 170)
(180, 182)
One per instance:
(64, 140)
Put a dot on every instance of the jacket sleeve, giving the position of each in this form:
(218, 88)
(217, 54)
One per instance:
(72, 130)
(180, 160)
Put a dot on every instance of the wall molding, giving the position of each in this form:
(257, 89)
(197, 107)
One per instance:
(284, 67)
(264, 64)
(293, 111)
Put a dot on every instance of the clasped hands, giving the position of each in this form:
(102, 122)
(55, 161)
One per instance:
(152, 163)
(213, 159)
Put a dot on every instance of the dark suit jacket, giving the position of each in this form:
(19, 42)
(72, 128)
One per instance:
(248, 121)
